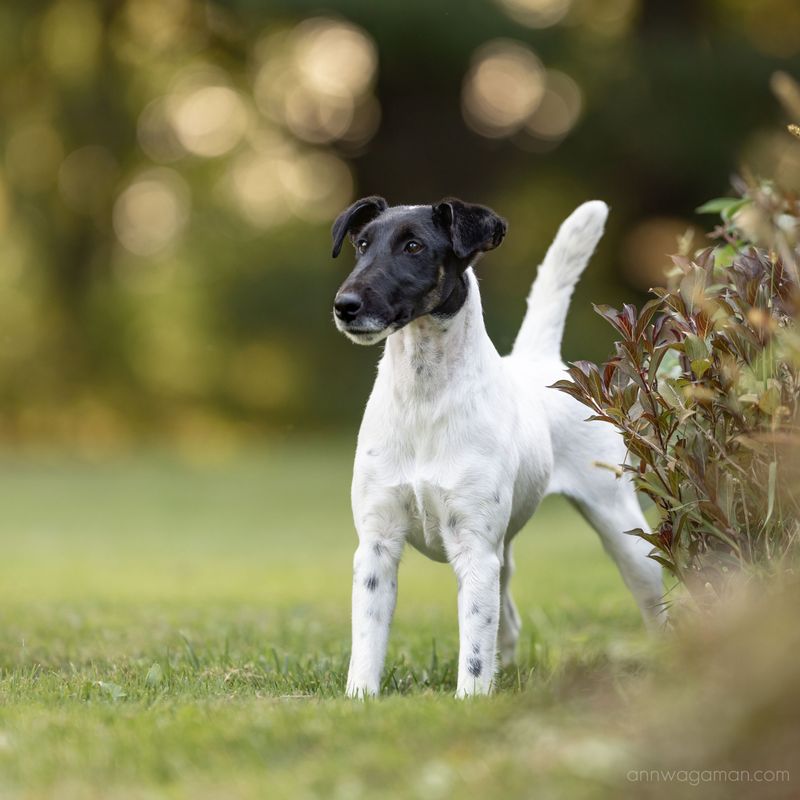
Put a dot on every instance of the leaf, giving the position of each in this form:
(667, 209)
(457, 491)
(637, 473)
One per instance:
(663, 561)
(770, 400)
(650, 484)
(773, 474)
(752, 443)
(726, 207)
(692, 290)
(700, 366)
(614, 317)
(155, 675)
(695, 347)
(672, 396)
(717, 205)
(649, 310)
(723, 256)
(112, 690)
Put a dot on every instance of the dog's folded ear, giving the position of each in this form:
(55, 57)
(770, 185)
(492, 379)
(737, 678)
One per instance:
(473, 229)
(353, 219)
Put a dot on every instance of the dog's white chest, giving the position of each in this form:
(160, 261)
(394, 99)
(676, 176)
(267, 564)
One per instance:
(429, 518)
(432, 503)
(405, 499)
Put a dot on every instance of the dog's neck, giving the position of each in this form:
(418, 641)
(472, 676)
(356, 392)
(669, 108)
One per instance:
(436, 350)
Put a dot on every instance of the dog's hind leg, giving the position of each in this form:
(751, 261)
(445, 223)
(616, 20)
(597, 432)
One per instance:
(508, 633)
(612, 512)
(584, 450)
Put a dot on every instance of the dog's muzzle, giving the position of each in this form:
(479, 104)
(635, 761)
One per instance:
(355, 322)
(347, 306)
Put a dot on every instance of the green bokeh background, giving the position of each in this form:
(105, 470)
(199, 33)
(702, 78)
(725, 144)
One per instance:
(177, 412)
(222, 333)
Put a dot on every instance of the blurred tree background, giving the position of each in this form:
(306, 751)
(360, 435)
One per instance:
(170, 169)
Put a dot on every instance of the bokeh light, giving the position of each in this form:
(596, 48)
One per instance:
(156, 135)
(316, 80)
(610, 19)
(334, 57)
(773, 152)
(208, 119)
(70, 38)
(646, 250)
(559, 109)
(787, 90)
(536, 13)
(271, 185)
(257, 190)
(773, 26)
(156, 25)
(317, 122)
(319, 185)
(151, 212)
(503, 87)
(148, 147)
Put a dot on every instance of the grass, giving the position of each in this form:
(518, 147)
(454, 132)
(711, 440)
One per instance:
(170, 628)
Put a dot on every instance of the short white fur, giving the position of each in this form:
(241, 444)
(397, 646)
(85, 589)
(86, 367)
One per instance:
(458, 446)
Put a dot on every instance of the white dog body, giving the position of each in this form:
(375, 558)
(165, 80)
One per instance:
(457, 447)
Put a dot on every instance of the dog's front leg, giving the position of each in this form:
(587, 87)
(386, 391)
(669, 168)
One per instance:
(477, 569)
(374, 598)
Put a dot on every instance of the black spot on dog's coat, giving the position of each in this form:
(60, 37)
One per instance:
(371, 583)
(474, 666)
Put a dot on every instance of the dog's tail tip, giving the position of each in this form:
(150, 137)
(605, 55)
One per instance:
(596, 207)
(566, 259)
(584, 226)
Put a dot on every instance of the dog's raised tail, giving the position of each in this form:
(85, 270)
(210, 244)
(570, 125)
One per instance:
(548, 302)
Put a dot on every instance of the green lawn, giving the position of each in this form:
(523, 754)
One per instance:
(170, 629)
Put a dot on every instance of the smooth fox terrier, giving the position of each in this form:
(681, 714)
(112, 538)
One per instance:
(458, 445)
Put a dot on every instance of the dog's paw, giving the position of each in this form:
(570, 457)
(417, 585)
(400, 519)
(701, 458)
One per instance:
(357, 692)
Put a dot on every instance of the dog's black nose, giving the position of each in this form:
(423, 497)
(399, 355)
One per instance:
(347, 306)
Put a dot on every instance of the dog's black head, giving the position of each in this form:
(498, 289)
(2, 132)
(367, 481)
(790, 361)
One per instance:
(410, 261)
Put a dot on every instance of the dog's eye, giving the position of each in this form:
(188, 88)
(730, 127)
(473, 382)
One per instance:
(361, 245)
(413, 247)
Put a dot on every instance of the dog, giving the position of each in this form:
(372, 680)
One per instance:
(458, 445)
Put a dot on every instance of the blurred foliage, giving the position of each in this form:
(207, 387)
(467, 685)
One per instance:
(705, 389)
(170, 168)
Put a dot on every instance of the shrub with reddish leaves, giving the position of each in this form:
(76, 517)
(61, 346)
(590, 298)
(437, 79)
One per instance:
(705, 389)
